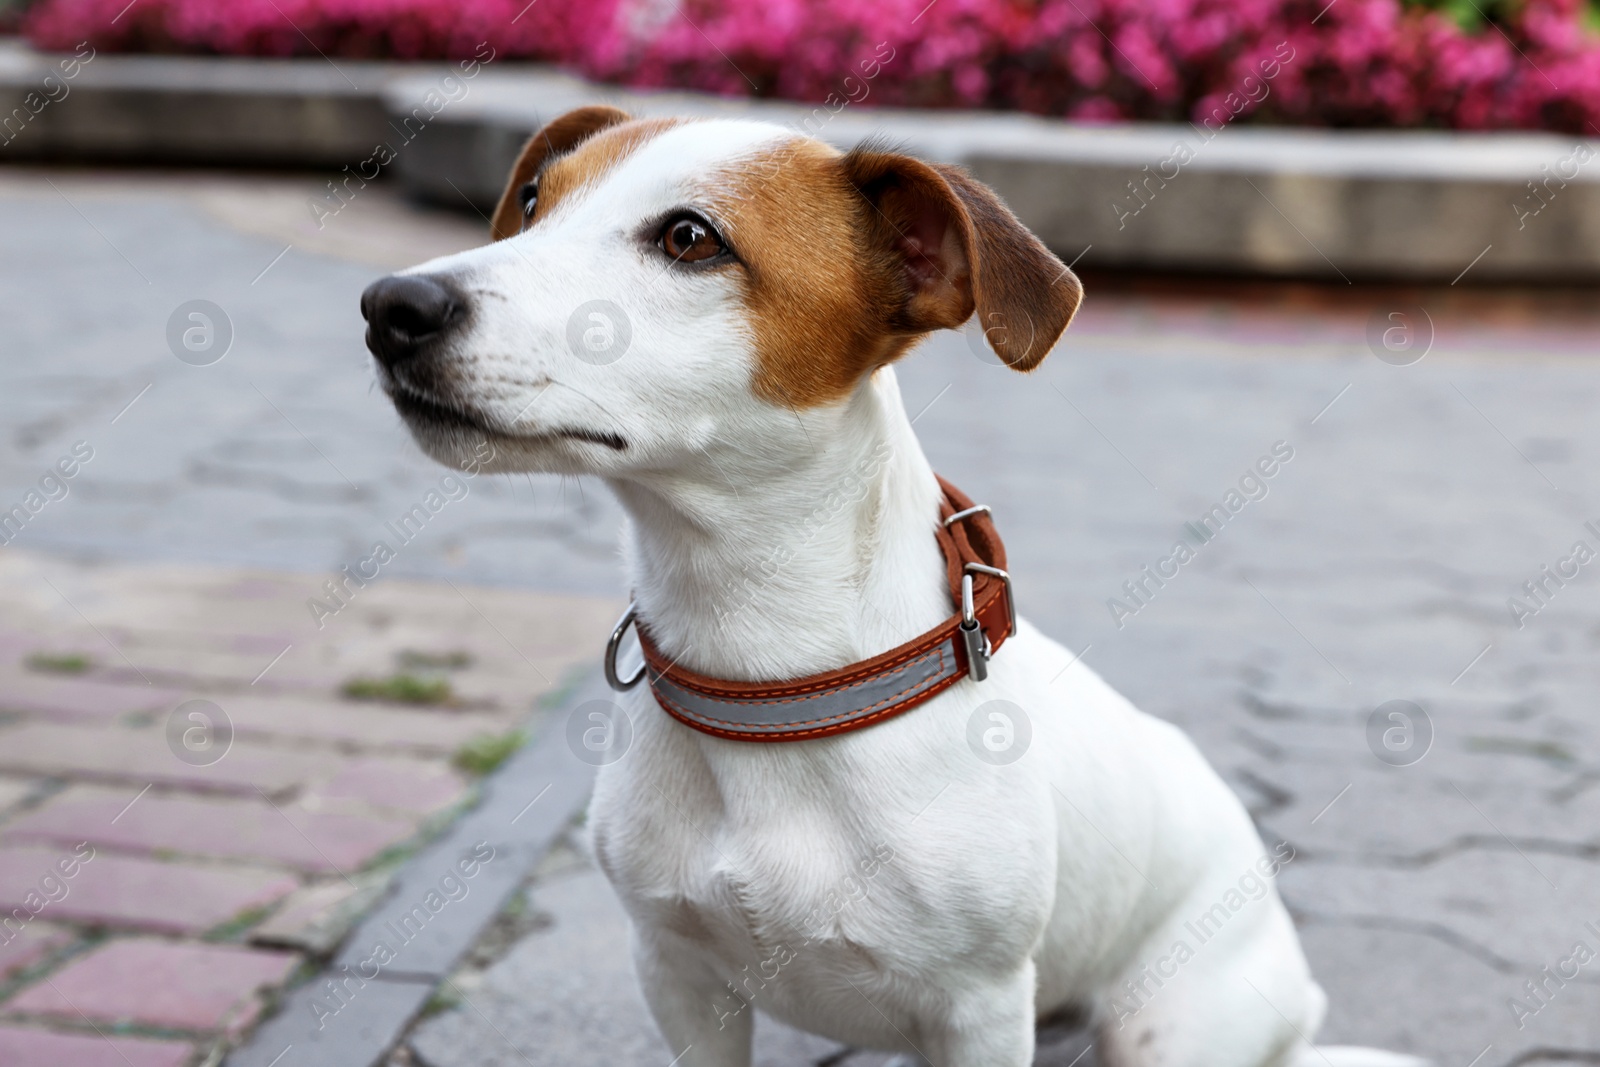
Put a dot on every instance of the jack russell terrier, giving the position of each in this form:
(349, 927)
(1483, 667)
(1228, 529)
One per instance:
(862, 796)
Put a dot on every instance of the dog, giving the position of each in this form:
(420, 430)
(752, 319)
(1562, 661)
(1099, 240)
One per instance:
(704, 314)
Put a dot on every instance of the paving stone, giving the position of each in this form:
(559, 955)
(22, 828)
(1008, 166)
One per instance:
(1459, 900)
(189, 663)
(357, 723)
(1413, 813)
(420, 786)
(215, 675)
(29, 945)
(165, 984)
(316, 918)
(66, 698)
(318, 841)
(1432, 999)
(142, 756)
(22, 1046)
(16, 646)
(13, 791)
(137, 893)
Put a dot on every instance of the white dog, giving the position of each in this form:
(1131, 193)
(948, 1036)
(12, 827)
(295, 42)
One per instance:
(704, 314)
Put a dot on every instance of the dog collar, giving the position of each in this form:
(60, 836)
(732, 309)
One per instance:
(864, 693)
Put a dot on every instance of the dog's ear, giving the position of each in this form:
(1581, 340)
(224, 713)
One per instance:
(560, 135)
(959, 249)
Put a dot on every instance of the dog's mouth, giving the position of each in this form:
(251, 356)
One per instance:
(418, 409)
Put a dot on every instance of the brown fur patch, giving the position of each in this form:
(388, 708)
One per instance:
(851, 259)
(570, 154)
(559, 135)
(815, 291)
(588, 163)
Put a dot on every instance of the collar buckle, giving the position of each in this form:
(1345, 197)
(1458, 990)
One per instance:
(973, 638)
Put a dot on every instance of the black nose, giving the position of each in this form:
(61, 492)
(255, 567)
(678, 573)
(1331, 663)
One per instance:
(405, 312)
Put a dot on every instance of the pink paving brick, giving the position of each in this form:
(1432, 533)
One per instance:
(317, 917)
(145, 982)
(257, 589)
(132, 892)
(259, 644)
(141, 756)
(24, 947)
(211, 826)
(14, 790)
(15, 638)
(28, 1047)
(421, 786)
(332, 720)
(66, 698)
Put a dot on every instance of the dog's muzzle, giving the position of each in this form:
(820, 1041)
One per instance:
(408, 314)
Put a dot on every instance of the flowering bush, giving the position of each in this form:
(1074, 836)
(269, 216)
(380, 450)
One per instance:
(1526, 64)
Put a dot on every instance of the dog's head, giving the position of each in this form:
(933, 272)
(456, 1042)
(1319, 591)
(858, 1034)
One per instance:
(658, 285)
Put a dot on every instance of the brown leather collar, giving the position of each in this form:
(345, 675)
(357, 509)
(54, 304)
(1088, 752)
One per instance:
(864, 693)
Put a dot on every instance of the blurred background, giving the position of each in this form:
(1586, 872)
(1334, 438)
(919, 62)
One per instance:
(1360, 236)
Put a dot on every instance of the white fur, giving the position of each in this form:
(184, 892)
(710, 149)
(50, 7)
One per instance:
(1012, 891)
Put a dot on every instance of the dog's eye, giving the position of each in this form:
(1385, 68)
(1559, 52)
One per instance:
(690, 238)
(528, 197)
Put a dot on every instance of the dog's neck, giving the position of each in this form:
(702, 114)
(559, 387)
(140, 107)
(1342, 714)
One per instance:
(752, 571)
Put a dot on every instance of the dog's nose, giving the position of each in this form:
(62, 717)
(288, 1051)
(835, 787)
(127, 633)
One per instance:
(405, 312)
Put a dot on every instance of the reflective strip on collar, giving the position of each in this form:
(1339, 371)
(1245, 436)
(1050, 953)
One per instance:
(811, 714)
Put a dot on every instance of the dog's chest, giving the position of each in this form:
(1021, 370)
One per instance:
(761, 899)
(795, 884)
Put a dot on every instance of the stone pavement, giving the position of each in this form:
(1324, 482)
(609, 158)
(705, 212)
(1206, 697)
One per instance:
(191, 816)
(1376, 567)
(280, 453)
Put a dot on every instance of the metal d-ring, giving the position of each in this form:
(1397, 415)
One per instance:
(977, 509)
(612, 678)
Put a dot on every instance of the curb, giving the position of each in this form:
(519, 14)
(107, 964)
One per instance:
(1325, 204)
(193, 109)
(349, 1017)
(1336, 205)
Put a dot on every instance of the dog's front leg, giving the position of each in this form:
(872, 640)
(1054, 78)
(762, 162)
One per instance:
(991, 1026)
(705, 1025)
